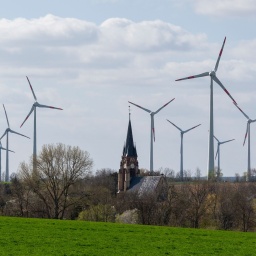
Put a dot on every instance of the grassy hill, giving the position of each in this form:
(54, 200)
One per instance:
(20, 236)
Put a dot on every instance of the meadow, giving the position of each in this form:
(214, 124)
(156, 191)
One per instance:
(21, 236)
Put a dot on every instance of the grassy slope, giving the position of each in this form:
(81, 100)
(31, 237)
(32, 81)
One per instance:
(20, 236)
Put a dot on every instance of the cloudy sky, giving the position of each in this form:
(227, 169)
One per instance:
(92, 57)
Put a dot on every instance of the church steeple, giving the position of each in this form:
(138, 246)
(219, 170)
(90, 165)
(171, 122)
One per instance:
(129, 147)
(129, 166)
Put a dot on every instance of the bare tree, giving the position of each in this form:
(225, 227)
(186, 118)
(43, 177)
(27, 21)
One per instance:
(198, 174)
(197, 194)
(244, 198)
(18, 192)
(237, 175)
(106, 178)
(147, 207)
(59, 167)
(168, 173)
(188, 203)
(225, 210)
(3, 198)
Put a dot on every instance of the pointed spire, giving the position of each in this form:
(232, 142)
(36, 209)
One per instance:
(129, 148)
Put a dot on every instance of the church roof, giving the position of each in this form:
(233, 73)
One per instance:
(144, 185)
(129, 147)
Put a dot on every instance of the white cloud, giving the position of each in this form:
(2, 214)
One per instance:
(147, 35)
(48, 30)
(236, 8)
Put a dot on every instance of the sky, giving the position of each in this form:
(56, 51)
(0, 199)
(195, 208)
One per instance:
(92, 57)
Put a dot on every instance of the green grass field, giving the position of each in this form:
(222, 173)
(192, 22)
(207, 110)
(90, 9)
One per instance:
(20, 236)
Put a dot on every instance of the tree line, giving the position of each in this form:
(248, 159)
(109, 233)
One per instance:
(62, 186)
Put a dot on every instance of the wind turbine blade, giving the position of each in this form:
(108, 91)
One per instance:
(222, 86)
(217, 152)
(242, 111)
(246, 134)
(174, 125)
(45, 106)
(31, 89)
(226, 141)
(3, 134)
(195, 76)
(6, 116)
(18, 133)
(218, 60)
(32, 109)
(215, 138)
(192, 128)
(149, 111)
(7, 150)
(164, 106)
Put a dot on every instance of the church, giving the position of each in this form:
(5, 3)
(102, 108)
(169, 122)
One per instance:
(129, 166)
(129, 178)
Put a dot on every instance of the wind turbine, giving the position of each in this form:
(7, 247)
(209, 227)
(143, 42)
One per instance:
(181, 145)
(1, 148)
(248, 133)
(34, 106)
(7, 144)
(152, 129)
(218, 153)
(213, 77)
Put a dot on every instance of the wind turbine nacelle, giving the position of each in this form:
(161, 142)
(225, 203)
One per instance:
(212, 73)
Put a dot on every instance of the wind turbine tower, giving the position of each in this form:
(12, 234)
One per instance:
(218, 154)
(181, 145)
(152, 129)
(247, 134)
(33, 109)
(1, 148)
(7, 144)
(213, 77)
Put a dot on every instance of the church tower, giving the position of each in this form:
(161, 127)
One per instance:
(129, 166)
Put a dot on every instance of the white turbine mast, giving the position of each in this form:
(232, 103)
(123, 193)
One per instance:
(1, 148)
(247, 134)
(34, 106)
(181, 145)
(218, 154)
(7, 144)
(152, 129)
(213, 77)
